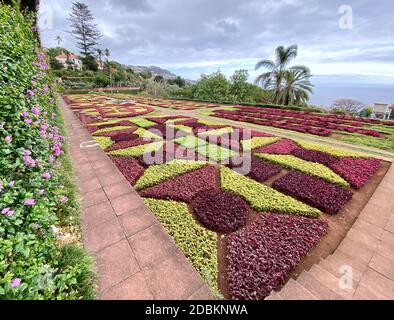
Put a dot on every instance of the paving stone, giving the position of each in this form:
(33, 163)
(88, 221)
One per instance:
(378, 284)
(117, 189)
(137, 220)
(331, 282)
(172, 278)
(387, 237)
(386, 249)
(133, 288)
(365, 239)
(374, 214)
(126, 203)
(273, 296)
(80, 169)
(356, 250)
(115, 264)
(340, 259)
(94, 197)
(368, 228)
(390, 224)
(383, 265)
(97, 164)
(204, 293)
(151, 245)
(363, 293)
(295, 291)
(318, 289)
(97, 214)
(101, 236)
(89, 185)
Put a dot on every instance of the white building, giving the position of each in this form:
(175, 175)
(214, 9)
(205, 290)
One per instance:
(69, 60)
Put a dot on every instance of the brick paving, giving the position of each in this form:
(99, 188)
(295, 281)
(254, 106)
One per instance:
(134, 256)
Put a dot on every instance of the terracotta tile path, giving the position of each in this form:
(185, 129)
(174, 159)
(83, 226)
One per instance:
(135, 257)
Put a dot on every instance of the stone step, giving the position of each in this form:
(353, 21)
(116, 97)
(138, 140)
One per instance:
(331, 282)
(318, 289)
(340, 259)
(295, 291)
(273, 296)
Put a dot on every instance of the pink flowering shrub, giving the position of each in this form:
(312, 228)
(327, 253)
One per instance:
(220, 211)
(325, 196)
(356, 171)
(262, 255)
(184, 187)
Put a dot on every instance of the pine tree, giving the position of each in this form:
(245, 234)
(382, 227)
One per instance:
(84, 30)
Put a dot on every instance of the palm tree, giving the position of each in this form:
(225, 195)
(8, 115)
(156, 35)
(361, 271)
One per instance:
(296, 87)
(276, 69)
(58, 39)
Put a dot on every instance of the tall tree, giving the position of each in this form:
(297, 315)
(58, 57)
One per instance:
(296, 87)
(273, 78)
(58, 39)
(83, 28)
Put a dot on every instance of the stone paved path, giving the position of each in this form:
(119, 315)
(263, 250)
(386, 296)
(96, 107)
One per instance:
(135, 257)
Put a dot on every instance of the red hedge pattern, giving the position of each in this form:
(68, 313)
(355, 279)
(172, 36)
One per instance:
(356, 170)
(283, 146)
(220, 211)
(260, 170)
(314, 191)
(315, 156)
(129, 167)
(126, 144)
(261, 256)
(185, 186)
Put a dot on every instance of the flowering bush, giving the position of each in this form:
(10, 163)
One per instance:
(356, 170)
(262, 255)
(220, 211)
(36, 191)
(325, 196)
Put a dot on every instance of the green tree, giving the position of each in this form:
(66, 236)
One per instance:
(178, 81)
(89, 62)
(296, 87)
(273, 78)
(240, 88)
(212, 87)
(158, 78)
(83, 28)
(55, 65)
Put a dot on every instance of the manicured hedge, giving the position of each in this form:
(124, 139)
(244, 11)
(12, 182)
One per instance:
(262, 255)
(284, 146)
(138, 150)
(315, 169)
(314, 191)
(215, 152)
(185, 186)
(257, 142)
(315, 156)
(36, 189)
(104, 142)
(129, 167)
(262, 197)
(158, 173)
(356, 171)
(220, 211)
(142, 122)
(197, 243)
(259, 169)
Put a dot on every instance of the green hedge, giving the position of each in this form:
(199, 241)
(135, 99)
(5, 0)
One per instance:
(37, 197)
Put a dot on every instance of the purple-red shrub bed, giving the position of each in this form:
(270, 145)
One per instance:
(356, 170)
(124, 136)
(319, 131)
(325, 196)
(129, 167)
(259, 170)
(184, 187)
(261, 256)
(315, 156)
(162, 120)
(284, 146)
(167, 131)
(115, 133)
(220, 211)
(126, 144)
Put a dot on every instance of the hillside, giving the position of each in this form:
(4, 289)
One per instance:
(155, 71)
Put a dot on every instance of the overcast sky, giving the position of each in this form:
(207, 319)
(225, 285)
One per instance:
(190, 37)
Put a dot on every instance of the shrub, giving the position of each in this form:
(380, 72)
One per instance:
(284, 146)
(262, 255)
(356, 170)
(257, 142)
(215, 152)
(190, 142)
(314, 156)
(142, 122)
(325, 196)
(36, 189)
(315, 169)
(185, 186)
(158, 173)
(220, 211)
(104, 142)
(129, 167)
(262, 197)
(138, 150)
(197, 243)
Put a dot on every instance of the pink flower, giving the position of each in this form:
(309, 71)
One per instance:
(1, 186)
(15, 282)
(30, 93)
(63, 199)
(8, 139)
(29, 202)
(28, 121)
(46, 175)
(11, 183)
(6, 211)
(35, 110)
(24, 114)
(45, 89)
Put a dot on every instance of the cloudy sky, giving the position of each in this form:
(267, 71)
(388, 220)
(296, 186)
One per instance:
(199, 36)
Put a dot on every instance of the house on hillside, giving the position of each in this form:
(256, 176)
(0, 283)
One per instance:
(69, 60)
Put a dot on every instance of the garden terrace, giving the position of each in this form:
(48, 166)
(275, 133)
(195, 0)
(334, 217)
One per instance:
(217, 189)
